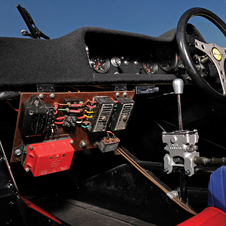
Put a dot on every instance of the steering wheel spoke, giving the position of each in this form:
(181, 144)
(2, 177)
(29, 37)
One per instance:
(217, 56)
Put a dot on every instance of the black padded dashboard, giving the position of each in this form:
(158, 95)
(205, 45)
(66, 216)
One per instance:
(65, 61)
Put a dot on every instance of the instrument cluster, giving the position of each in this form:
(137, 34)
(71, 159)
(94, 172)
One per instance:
(164, 59)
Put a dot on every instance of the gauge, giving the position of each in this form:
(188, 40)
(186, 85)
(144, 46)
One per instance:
(167, 58)
(100, 64)
(150, 67)
(116, 61)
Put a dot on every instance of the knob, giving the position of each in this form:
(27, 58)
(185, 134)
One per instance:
(178, 86)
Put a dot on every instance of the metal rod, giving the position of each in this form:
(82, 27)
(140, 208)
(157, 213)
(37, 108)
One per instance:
(179, 112)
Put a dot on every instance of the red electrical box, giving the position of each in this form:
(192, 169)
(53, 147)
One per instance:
(49, 157)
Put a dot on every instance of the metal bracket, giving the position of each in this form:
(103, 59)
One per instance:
(172, 194)
(181, 145)
(146, 89)
(121, 87)
(45, 88)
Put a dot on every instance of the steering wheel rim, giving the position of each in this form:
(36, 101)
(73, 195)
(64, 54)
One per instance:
(183, 46)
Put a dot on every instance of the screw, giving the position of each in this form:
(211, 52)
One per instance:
(187, 172)
(83, 143)
(17, 152)
(165, 170)
(41, 96)
(71, 142)
(31, 148)
(52, 95)
(10, 185)
(31, 112)
(27, 169)
(124, 118)
(117, 94)
(11, 203)
(125, 94)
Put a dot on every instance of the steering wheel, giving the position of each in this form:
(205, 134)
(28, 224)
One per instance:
(216, 53)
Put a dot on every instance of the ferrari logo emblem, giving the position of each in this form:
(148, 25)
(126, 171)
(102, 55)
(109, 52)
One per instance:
(216, 54)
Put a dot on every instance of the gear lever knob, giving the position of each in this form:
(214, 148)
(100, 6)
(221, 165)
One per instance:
(178, 86)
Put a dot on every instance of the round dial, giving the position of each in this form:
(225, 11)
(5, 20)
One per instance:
(116, 61)
(167, 58)
(150, 67)
(100, 64)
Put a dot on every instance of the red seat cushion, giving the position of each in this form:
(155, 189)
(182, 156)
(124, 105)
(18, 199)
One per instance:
(208, 217)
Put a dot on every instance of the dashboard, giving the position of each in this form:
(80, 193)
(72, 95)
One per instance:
(161, 60)
(90, 56)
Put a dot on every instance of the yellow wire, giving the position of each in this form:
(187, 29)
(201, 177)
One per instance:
(89, 112)
(88, 116)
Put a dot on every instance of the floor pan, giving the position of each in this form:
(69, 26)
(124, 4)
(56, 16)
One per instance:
(79, 213)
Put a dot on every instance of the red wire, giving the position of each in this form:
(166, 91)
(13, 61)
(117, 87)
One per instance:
(116, 101)
(56, 107)
(75, 111)
(82, 117)
(76, 105)
(59, 123)
(110, 133)
(12, 106)
(92, 102)
(60, 118)
(89, 106)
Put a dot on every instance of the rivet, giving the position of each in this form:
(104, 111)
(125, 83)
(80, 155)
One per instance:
(52, 95)
(41, 96)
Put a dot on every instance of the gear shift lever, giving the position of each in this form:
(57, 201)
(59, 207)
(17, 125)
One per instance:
(178, 86)
(180, 144)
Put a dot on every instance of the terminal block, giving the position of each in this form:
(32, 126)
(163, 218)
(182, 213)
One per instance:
(102, 114)
(109, 144)
(122, 113)
(36, 117)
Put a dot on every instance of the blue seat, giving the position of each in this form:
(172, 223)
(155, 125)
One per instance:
(217, 189)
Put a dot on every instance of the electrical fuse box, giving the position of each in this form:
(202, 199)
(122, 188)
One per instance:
(49, 157)
(102, 114)
(122, 113)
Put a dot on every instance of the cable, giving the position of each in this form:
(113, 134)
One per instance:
(89, 106)
(75, 111)
(116, 101)
(62, 109)
(56, 108)
(76, 105)
(89, 112)
(141, 170)
(92, 102)
(84, 126)
(59, 123)
(11, 106)
(62, 104)
(81, 117)
(60, 118)
(110, 133)
(87, 116)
